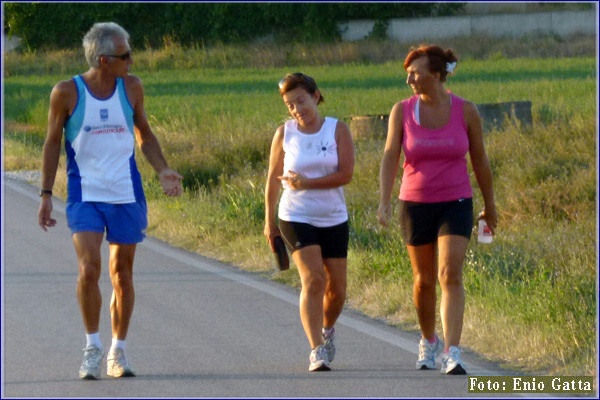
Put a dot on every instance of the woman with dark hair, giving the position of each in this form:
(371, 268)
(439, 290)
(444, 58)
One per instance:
(436, 130)
(312, 158)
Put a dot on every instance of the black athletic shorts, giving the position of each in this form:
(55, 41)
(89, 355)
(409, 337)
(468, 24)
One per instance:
(333, 240)
(423, 223)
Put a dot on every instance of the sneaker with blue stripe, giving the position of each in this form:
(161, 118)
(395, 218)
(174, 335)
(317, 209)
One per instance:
(428, 352)
(452, 363)
(328, 337)
(319, 361)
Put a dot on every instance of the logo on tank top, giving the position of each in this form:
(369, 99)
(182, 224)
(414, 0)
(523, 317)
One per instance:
(103, 114)
(434, 142)
(325, 148)
(104, 129)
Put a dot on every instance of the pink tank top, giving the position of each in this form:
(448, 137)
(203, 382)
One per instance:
(435, 166)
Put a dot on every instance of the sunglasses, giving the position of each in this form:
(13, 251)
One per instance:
(124, 56)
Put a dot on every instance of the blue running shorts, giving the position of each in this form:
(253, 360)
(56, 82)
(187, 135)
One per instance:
(123, 223)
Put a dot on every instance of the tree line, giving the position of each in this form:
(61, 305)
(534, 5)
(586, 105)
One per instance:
(45, 25)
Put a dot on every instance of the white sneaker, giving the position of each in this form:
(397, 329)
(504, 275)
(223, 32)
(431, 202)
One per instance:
(318, 359)
(452, 363)
(429, 352)
(117, 365)
(92, 357)
(329, 345)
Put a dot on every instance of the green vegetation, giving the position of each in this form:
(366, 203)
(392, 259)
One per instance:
(531, 294)
(60, 25)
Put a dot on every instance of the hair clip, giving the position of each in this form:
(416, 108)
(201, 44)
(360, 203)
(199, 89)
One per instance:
(450, 67)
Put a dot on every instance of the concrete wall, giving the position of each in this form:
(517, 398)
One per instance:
(494, 116)
(562, 23)
(10, 43)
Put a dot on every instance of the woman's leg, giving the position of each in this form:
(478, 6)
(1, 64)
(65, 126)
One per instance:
(452, 250)
(335, 290)
(309, 262)
(423, 261)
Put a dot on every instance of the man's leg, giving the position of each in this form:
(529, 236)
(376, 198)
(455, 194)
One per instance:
(87, 247)
(123, 296)
(121, 307)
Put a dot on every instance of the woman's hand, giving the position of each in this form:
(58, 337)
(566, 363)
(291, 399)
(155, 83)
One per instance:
(384, 214)
(490, 217)
(294, 180)
(271, 231)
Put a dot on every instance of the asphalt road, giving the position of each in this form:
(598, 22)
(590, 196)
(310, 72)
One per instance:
(200, 328)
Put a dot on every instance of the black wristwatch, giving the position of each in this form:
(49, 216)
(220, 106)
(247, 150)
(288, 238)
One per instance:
(45, 191)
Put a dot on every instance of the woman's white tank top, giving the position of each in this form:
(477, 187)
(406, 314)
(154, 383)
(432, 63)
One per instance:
(313, 156)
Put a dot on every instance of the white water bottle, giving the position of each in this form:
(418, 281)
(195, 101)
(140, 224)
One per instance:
(484, 233)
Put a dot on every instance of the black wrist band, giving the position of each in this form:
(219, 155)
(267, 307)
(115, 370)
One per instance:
(45, 191)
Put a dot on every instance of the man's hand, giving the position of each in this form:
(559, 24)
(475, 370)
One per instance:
(45, 219)
(171, 182)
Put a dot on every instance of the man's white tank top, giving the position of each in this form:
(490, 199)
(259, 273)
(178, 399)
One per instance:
(313, 156)
(100, 147)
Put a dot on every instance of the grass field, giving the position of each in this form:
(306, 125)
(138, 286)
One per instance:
(531, 294)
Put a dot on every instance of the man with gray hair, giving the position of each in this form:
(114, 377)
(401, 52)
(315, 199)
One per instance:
(101, 114)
